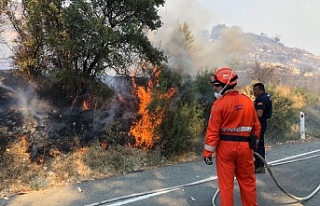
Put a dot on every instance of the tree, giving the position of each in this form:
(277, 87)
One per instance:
(182, 48)
(88, 37)
(262, 72)
(188, 37)
(277, 38)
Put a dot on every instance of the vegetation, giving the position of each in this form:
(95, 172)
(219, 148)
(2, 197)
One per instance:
(262, 72)
(288, 101)
(85, 38)
(69, 46)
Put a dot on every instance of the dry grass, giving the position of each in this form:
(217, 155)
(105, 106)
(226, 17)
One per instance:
(94, 162)
(288, 91)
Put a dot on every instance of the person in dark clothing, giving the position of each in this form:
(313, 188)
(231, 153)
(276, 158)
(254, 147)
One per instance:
(263, 106)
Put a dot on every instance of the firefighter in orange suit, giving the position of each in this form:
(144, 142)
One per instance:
(233, 120)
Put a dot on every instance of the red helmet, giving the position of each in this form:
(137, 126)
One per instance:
(224, 76)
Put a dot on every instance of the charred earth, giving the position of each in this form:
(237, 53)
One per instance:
(48, 140)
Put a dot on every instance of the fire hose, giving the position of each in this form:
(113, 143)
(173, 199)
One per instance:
(300, 199)
(143, 195)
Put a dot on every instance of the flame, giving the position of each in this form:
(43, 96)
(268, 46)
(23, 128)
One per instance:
(104, 145)
(82, 150)
(89, 102)
(144, 129)
(85, 105)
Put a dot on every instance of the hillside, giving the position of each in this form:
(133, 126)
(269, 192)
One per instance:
(270, 49)
(292, 66)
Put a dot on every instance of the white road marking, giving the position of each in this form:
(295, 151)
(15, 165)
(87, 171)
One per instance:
(140, 196)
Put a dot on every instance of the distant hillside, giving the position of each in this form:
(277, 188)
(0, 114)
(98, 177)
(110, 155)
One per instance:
(293, 66)
(270, 50)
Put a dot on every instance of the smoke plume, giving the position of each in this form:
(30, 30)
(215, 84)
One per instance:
(203, 51)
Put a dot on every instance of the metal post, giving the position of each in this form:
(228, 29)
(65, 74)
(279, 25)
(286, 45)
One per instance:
(302, 127)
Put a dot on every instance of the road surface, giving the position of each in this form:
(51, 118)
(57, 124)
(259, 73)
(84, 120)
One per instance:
(188, 184)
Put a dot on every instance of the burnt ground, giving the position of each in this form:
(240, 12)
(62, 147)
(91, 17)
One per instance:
(44, 118)
(47, 140)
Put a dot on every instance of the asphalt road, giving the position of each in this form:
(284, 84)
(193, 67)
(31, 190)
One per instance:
(185, 184)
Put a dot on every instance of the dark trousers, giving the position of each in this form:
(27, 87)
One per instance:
(261, 149)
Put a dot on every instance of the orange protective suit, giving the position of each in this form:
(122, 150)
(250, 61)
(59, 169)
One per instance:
(233, 116)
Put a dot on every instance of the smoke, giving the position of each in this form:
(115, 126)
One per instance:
(121, 103)
(25, 114)
(201, 51)
(32, 109)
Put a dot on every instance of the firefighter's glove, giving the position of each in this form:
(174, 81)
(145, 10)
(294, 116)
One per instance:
(208, 160)
(257, 145)
(253, 142)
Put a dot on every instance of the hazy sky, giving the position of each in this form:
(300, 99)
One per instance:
(296, 22)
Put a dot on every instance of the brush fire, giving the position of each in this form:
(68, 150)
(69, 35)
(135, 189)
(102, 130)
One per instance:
(50, 129)
(89, 103)
(144, 129)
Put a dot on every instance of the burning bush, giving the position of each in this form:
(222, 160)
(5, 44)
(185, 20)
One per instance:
(171, 114)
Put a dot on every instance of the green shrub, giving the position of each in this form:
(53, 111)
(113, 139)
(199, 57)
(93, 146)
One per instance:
(182, 115)
(181, 129)
(204, 91)
(283, 118)
(286, 102)
(311, 112)
(75, 85)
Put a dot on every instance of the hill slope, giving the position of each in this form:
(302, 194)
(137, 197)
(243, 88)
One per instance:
(269, 49)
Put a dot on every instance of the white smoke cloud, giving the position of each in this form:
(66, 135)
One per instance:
(202, 53)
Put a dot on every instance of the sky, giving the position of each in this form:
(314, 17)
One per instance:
(296, 22)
